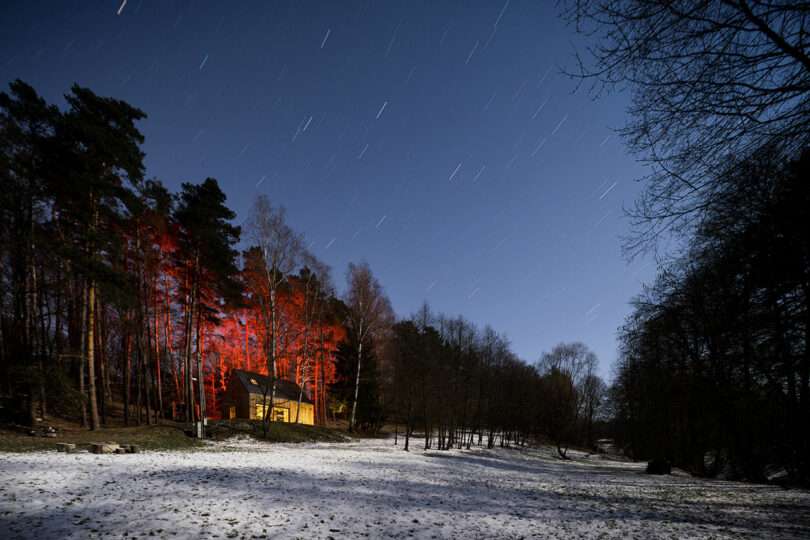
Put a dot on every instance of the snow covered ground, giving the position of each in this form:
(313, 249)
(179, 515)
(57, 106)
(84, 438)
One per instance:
(371, 489)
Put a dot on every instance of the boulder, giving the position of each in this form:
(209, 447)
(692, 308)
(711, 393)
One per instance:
(103, 448)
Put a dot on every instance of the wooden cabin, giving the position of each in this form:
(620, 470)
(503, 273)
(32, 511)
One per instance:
(245, 398)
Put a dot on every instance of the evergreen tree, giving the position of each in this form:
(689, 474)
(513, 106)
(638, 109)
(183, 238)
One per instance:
(101, 161)
(207, 259)
(27, 124)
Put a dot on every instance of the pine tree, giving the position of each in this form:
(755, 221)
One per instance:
(101, 160)
(207, 259)
(26, 130)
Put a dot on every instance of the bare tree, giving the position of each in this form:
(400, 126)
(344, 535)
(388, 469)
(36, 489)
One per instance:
(368, 314)
(281, 251)
(594, 391)
(569, 373)
(710, 80)
(317, 290)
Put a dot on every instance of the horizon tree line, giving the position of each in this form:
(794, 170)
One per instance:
(454, 385)
(713, 369)
(117, 291)
(113, 289)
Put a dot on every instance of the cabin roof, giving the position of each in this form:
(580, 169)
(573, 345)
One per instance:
(255, 383)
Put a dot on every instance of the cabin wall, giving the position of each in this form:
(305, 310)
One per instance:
(282, 407)
(236, 396)
(242, 401)
(307, 414)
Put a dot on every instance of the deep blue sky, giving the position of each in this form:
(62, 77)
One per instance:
(410, 136)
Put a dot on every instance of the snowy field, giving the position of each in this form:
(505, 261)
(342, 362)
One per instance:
(371, 489)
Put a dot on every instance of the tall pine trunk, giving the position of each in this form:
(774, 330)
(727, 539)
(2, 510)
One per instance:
(200, 378)
(83, 356)
(127, 347)
(189, 398)
(158, 383)
(91, 357)
(102, 364)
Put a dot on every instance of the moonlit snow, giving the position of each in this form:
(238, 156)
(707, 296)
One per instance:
(372, 489)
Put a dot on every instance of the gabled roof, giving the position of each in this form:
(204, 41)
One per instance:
(256, 383)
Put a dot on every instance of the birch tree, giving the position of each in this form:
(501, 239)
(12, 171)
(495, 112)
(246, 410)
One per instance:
(317, 288)
(368, 313)
(281, 251)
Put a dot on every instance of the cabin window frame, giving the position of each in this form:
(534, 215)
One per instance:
(278, 414)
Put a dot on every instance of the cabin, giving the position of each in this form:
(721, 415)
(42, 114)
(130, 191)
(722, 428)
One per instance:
(245, 398)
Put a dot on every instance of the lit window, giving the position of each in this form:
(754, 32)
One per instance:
(280, 414)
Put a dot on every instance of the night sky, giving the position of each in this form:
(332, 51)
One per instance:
(438, 142)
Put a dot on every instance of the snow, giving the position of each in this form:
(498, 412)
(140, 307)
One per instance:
(372, 489)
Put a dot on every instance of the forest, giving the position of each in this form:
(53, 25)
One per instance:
(510, 270)
(713, 370)
(115, 289)
(118, 294)
(723, 334)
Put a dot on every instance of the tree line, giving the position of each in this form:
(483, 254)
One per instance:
(713, 367)
(714, 371)
(115, 290)
(452, 385)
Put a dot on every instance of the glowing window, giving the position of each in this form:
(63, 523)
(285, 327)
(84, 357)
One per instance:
(280, 414)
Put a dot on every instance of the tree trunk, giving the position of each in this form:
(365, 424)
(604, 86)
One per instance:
(247, 352)
(301, 370)
(200, 379)
(187, 355)
(357, 381)
(146, 376)
(102, 363)
(272, 367)
(323, 376)
(127, 346)
(91, 358)
(407, 435)
(138, 378)
(83, 358)
(158, 383)
(169, 344)
(40, 314)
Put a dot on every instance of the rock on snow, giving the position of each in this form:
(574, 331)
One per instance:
(371, 489)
